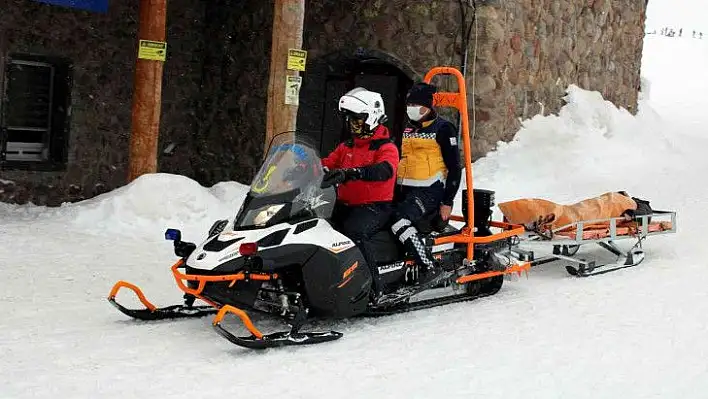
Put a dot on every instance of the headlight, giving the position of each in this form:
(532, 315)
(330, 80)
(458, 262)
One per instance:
(266, 214)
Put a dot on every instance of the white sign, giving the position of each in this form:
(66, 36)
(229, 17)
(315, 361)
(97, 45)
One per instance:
(292, 90)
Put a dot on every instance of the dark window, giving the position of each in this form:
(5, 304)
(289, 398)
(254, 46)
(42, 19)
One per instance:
(35, 112)
(328, 79)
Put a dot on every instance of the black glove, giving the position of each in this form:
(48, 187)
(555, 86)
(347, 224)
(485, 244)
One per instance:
(339, 176)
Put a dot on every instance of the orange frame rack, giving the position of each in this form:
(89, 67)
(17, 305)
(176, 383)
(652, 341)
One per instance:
(466, 236)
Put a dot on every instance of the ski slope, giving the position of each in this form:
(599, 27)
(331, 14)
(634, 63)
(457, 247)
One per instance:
(635, 333)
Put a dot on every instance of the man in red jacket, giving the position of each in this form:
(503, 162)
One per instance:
(365, 169)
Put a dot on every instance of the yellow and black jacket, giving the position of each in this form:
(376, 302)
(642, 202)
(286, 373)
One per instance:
(430, 153)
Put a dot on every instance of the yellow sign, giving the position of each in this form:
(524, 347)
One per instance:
(150, 50)
(297, 59)
(292, 90)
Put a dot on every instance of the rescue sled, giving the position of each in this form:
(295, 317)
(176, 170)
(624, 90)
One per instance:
(565, 241)
(280, 256)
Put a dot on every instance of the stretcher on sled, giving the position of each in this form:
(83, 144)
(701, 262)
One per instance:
(560, 230)
(565, 241)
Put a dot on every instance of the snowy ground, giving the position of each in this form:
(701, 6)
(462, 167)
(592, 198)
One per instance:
(636, 333)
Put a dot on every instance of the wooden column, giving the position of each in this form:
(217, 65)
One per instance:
(147, 93)
(288, 25)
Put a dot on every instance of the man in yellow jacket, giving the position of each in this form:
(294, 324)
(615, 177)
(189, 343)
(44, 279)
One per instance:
(428, 175)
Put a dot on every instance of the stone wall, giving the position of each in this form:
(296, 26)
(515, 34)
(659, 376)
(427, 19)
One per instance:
(529, 51)
(411, 36)
(421, 34)
(102, 48)
(215, 80)
(213, 95)
(229, 112)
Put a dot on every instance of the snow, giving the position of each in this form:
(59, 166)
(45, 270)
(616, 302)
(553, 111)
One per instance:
(144, 208)
(635, 333)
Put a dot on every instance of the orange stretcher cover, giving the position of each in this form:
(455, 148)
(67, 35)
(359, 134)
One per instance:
(540, 214)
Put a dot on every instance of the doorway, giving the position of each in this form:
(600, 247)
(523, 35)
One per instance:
(328, 78)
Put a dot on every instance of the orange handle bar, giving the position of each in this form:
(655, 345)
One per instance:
(466, 236)
(451, 100)
(241, 315)
(135, 289)
(459, 100)
(233, 278)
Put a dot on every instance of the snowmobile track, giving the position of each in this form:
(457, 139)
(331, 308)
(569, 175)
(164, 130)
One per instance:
(425, 304)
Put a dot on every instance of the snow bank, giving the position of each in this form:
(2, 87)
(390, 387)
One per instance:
(145, 208)
(154, 202)
(589, 148)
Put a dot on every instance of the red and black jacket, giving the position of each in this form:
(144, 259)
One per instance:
(377, 159)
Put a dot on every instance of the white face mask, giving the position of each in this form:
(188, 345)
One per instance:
(414, 113)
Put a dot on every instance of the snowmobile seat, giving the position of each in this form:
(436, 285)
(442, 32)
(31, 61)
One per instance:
(385, 246)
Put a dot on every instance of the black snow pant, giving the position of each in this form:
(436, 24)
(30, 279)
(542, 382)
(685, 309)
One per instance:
(360, 223)
(413, 204)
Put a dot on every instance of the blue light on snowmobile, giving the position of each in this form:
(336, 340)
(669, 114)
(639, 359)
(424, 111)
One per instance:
(173, 235)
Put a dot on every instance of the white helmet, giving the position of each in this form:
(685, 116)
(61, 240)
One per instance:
(364, 105)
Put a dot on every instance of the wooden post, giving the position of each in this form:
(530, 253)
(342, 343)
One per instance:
(147, 93)
(288, 25)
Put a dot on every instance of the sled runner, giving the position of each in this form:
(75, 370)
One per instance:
(565, 241)
(281, 256)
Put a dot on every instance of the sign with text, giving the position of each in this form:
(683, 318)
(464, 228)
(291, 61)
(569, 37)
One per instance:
(151, 50)
(297, 59)
(90, 5)
(292, 90)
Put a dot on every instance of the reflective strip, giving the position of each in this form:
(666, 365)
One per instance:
(422, 183)
(399, 225)
(410, 232)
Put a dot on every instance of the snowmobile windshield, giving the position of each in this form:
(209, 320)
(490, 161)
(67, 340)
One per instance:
(287, 187)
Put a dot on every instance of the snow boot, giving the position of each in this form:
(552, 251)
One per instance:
(431, 275)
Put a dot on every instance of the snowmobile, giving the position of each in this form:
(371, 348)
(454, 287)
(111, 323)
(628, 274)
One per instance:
(280, 255)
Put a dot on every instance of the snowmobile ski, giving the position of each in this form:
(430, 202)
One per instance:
(152, 312)
(584, 271)
(169, 312)
(258, 340)
(278, 339)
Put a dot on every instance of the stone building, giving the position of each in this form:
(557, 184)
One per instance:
(67, 77)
